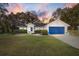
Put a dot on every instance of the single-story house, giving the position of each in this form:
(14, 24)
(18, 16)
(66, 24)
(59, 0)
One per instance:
(55, 27)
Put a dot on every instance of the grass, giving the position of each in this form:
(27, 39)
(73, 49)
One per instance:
(29, 45)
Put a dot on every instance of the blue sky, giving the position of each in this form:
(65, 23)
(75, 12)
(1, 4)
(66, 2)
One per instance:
(50, 6)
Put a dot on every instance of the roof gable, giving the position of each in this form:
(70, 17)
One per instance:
(59, 23)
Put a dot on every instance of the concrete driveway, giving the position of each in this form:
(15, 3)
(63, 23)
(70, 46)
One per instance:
(71, 40)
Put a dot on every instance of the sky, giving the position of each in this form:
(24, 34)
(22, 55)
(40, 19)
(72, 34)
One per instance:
(44, 10)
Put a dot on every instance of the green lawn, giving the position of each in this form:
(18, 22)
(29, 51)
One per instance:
(34, 45)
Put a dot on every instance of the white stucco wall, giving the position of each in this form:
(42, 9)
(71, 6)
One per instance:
(29, 26)
(22, 28)
(40, 28)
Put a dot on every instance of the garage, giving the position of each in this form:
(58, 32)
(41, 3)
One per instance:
(56, 30)
(57, 27)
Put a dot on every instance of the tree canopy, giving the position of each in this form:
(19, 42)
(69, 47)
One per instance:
(10, 22)
(69, 15)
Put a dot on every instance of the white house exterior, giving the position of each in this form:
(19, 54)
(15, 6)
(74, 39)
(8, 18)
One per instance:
(57, 27)
(40, 28)
(22, 28)
(30, 28)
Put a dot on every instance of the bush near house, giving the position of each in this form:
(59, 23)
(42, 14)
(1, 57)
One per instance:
(15, 32)
(20, 31)
(74, 32)
(43, 32)
(70, 28)
(37, 31)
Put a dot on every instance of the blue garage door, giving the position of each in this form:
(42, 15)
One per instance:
(56, 30)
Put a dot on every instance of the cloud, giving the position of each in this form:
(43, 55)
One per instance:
(15, 8)
(70, 5)
(43, 11)
(41, 8)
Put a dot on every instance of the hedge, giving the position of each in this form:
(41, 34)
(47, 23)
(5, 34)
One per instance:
(43, 32)
(20, 31)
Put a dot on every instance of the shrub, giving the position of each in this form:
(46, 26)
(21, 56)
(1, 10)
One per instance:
(21, 31)
(74, 32)
(72, 28)
(43, 32)
(38, 31)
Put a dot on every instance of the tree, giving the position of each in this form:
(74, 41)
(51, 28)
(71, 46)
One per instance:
(3, 9)
(68, 15)
(31, 17)
(57, 13)
(3, 16)
(51, 19)
(71, 16)
(13, 21)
